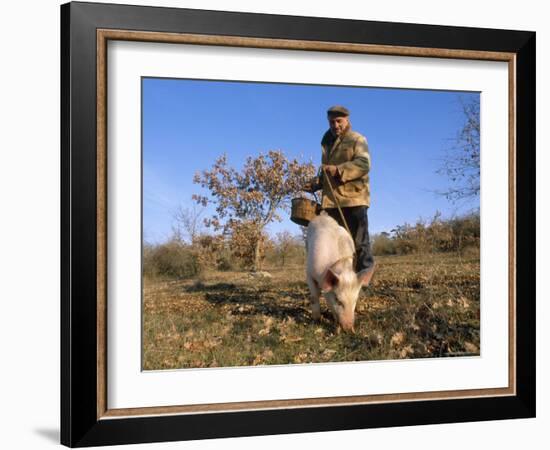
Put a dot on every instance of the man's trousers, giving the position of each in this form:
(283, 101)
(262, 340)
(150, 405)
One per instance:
(358, 223)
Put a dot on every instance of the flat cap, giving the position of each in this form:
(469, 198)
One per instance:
(338, 110)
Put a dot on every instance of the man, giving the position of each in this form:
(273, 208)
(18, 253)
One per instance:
(346, 161)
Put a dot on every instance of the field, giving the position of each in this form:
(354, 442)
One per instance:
(417, 306)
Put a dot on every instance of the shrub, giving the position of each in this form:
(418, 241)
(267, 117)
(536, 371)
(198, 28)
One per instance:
(214, 252)
(382, 244)
(438, 235)
(172, 259)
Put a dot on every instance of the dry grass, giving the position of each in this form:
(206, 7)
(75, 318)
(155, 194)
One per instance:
(417, 306)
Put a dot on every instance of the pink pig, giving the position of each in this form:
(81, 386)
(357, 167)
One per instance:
(330, 252)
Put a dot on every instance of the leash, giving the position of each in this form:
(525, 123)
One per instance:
(354, 256)
(337, 202)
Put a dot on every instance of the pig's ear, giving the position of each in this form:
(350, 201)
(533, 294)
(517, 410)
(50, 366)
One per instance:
(365, 276)
(330, 281)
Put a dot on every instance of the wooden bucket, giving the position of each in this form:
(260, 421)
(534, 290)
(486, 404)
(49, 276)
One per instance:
(304, 211)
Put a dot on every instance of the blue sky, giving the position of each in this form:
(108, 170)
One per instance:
(187, 124)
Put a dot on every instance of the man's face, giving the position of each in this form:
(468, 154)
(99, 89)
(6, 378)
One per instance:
(338, 124)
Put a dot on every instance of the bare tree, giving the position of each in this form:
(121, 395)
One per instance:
(187, 223)
(462, 161)
(285, 242)
(247, 201)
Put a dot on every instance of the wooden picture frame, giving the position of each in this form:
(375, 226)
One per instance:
(86, 418)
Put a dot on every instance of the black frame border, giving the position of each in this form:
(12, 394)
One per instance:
(79, 424)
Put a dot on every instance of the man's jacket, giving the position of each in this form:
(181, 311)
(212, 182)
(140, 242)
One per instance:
(350, 154)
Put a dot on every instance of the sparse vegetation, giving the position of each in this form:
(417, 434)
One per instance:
(418, 306)
(458, 234)
(202, 308)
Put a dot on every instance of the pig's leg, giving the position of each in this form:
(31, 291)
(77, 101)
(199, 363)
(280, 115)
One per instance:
(315, 293)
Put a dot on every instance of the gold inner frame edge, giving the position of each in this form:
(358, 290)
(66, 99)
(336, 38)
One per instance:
(104, 35)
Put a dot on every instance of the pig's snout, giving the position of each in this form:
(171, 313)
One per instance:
(347, 324)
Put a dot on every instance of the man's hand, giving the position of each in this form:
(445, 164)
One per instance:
(308, 187)
(331, 170)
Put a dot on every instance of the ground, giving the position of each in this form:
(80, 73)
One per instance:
(418, 306)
